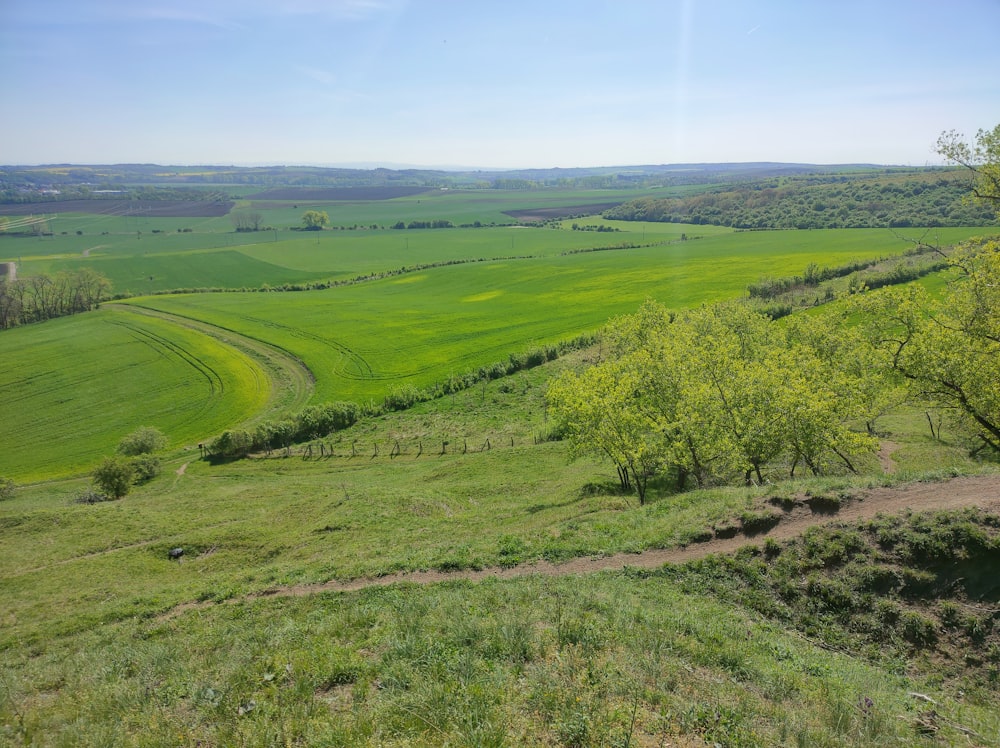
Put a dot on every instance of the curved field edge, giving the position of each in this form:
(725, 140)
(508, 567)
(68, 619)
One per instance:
(292, 381)
(73, 387)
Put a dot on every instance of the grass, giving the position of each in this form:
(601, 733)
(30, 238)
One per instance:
(422, 327)
(73, 387)
(87, 654)
(106, 640)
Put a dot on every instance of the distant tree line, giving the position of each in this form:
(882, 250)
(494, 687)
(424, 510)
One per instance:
(13, 194)
(439, 223)
(41, 297)
(820, 203)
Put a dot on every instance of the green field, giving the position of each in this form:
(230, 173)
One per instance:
(362, 341)
(107, 640)
(270, 630)
(160, 262)
(422, 327)
(73, 387)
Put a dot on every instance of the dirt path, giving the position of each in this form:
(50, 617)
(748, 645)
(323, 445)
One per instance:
(885, 450)
(977, 491)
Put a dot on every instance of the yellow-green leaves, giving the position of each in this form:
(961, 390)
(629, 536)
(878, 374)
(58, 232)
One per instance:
(716, 393)
(948, 349)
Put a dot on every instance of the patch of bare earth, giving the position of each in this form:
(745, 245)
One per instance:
(885, 451)
(795, 518)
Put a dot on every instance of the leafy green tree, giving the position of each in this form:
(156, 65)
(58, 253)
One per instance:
(717, 391)
(599, 413)
(982, 159)
(144, 440)
(114, 476)
(947, 349)
(233, 443)
(314, 220)
(6, 488)
(145, 467)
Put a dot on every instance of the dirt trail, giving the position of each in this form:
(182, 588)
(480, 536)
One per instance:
(976, 491)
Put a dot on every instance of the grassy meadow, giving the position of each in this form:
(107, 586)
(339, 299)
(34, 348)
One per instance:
(106, 640)
(837, 638)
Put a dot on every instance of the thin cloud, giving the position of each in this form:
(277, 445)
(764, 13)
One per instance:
(182, 15)
(316, 74)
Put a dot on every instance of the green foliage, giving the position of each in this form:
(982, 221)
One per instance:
(40, 297)
(114, 476)
(867, 588)
(145, 467)
(232, 443)
(6, 488)
(314, 220)
(946, 349)
(144, 440)
(822, 202)
(715, 392)
(982, 160)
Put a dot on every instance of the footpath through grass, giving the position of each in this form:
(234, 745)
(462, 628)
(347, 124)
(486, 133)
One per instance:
(88, 655)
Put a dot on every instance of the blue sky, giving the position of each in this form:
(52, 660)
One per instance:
(492, 84)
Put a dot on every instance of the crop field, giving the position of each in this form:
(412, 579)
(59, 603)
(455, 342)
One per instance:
(420, 328)
(361, 342)
(73, 387)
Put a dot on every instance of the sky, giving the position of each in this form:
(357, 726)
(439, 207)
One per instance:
(493, 83)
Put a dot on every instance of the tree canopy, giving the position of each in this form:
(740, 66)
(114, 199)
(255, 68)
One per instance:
(716, 393)
(982, 159)
(314, 220)
(947, 348)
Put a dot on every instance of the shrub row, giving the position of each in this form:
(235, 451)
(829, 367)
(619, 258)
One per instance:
(318, 421)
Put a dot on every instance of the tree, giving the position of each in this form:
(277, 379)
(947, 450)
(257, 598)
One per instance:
(6, 488)
(114, 476)
(599, 413)
(713, 393)
(315, 220)
(247, 220)
(144, 440)
(947, 349)
(982, 159)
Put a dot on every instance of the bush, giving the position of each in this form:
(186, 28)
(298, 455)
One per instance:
(145, 467)
(144, 440)
(90, 496)
(114, 476)
(235, 443)
(6, 489)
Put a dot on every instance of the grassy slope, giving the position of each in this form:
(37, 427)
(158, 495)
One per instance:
(85, 657)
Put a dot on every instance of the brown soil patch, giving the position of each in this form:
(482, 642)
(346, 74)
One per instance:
(885, 450)
(544, 214)
(336, 194)
(146, 208)
(976, 491)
